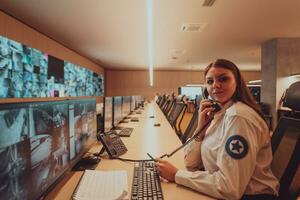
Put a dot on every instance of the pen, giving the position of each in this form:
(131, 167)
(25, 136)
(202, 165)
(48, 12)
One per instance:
(151, 157)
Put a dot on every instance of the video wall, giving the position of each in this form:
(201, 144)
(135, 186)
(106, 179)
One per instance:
(26, 72)
(40, 141)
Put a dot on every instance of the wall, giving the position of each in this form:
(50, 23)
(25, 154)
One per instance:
(122, 82)
(280, 59)
(14, 29)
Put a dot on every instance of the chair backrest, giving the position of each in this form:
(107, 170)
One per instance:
(286, 156)
(175, 112)
(286, 148)
(292, 96)
(179, 98)
(191, 127)
(159, 98)
(162, 101)
(165, 102)
(169, 104)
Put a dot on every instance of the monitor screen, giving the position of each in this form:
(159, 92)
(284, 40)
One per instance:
(255, 90)
(125, 106)
(117, 110)
(132, 103)
(85, 126)
(191, 91)
(36, 141)
(55, 69)
(108, 113)
(138, 100)
(100, 119)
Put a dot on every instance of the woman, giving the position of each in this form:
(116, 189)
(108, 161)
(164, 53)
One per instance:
(235, 150)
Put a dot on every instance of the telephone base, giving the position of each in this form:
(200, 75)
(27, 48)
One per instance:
(89, 162)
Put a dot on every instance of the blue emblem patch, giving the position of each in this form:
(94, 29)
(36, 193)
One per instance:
(236, 146)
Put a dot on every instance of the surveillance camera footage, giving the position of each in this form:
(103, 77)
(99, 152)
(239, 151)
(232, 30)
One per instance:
(37, 144)
(26, 72)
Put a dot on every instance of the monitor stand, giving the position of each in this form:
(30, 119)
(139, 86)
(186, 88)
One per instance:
(87, 162)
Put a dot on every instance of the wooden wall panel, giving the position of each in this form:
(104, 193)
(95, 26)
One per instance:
(20, 32)
(124, 82)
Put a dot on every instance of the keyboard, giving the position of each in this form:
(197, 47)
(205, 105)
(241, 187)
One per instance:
(134, 119)
(146, 182)
(125, 132)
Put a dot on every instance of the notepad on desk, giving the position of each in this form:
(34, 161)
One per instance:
(98, 185)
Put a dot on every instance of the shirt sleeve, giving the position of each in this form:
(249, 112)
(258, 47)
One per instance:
(234, 170)
(192, 158)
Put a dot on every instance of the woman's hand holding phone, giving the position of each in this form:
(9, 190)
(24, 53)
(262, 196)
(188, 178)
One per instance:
(205, 111)
(205, 114)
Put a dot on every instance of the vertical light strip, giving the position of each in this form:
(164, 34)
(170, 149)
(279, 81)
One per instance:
(150, 38)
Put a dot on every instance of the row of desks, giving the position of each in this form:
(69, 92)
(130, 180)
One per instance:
(145, 138)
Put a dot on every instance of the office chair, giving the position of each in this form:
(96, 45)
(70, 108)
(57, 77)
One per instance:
(165, 102)
(169, 104)
(178, 109)
(162, 101)
(193, 122)
(286, 148)
(159, 98)
(191, 127)
(178, 98)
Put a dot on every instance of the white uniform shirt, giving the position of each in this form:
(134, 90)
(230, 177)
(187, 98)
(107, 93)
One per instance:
(235, 153)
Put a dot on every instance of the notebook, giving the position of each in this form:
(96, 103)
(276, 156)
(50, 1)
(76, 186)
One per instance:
(98, 185)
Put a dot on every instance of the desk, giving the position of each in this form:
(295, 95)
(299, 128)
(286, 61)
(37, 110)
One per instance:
(145, 138)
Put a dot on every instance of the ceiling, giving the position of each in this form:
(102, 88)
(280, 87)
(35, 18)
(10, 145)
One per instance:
(113, 33)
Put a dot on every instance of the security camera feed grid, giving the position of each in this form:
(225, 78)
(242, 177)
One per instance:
(80, 81)
(15, 165)
(49, 142)
(85, 126)
(35, 144)
(27, 73)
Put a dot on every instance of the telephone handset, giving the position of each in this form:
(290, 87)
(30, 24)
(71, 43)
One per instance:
(215, 104)
(112, 143)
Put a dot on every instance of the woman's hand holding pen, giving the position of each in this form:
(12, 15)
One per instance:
(166, 169)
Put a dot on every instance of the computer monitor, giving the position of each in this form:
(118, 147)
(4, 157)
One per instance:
(55, 69)
(36, 140)
(255, 91)
(108, 113)
(37, 143)
(125, 106)
(100, 119)
(191, 91)
(139, 100)
(132, 103)
(117, 102)
(85, 126)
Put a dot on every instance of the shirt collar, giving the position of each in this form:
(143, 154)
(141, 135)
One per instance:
(223, 109)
